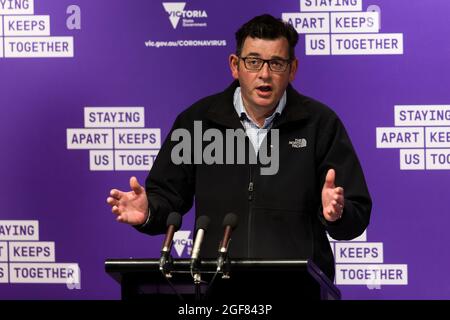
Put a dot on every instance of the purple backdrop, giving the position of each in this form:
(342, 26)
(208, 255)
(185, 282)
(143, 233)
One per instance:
(121, 57)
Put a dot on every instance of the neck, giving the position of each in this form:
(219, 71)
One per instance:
(258, 114)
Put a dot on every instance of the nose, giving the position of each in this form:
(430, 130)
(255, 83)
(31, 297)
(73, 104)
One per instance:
(264, 73)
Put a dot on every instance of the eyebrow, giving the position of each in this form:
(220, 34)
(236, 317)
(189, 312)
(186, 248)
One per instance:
(255, 54)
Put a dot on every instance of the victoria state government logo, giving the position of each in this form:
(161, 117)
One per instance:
(190, 18)
(181, 241)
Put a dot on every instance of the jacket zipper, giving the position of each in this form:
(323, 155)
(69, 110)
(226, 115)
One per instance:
(250, 189)
(250, 199)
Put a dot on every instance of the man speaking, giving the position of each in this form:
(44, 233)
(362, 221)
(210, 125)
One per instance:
(316, 186)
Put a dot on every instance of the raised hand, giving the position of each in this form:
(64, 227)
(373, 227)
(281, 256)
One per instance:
(130, 207)
(332, 198)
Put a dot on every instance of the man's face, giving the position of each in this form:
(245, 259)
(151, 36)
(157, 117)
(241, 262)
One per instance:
(261, 90)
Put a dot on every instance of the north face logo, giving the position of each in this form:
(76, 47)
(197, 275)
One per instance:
(298, 143)
(181, 241)
(175, 11)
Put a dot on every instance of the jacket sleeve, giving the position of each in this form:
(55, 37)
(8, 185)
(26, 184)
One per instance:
(169, 187)
(335, 151)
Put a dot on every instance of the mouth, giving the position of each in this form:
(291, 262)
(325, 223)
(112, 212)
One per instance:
(264, 88)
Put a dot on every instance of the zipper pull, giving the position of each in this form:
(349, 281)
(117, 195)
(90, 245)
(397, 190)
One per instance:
(250, 190)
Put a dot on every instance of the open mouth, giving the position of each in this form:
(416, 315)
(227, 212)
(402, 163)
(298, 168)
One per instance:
(264, 88)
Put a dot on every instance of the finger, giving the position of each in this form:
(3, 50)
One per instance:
(333, 213)
(115, 210)
(339, 190)
(135, 186)
(337, 207)
(329, 179)
(338, 203)
(338, 198)
(112, 202)
(116, 194)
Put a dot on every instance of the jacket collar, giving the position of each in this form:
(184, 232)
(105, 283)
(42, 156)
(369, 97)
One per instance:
(223, 112)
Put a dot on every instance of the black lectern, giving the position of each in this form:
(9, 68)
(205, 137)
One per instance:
(241, 281)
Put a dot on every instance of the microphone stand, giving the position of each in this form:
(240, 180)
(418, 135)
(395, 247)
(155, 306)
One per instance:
(166, 264)
(197, 284)
(166, 267)
(195, 273)
(223, 261)
(224, 266)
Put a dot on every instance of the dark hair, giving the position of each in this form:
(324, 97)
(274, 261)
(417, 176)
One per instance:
(267, 27)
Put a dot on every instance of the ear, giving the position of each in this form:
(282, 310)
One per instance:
(293, 70)
(234, 65)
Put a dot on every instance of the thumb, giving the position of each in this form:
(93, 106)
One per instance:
(135, 186)
(329, 179)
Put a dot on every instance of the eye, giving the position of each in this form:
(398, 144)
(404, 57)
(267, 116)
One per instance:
(253, 61)
(276, 63)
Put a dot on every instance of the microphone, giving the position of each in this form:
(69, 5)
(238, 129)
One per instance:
(201, 227)
(173, 224)
(229, 223)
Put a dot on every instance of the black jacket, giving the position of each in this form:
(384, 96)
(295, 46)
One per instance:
(280, 216)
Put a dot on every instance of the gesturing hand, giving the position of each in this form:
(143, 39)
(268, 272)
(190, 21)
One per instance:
(332, 198)
(130, 207)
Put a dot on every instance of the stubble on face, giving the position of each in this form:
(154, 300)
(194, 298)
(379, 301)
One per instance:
(262, 90)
